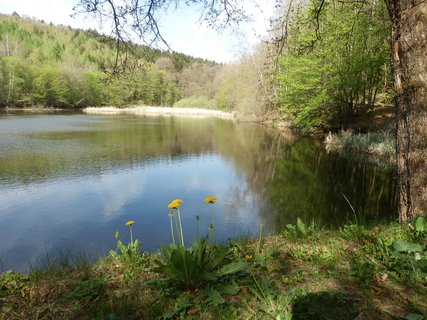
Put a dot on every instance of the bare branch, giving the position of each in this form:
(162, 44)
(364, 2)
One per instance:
(137, 20)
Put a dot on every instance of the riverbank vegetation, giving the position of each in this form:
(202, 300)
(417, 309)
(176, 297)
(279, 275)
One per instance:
(317, 78)
(303, 272)
(377, 147)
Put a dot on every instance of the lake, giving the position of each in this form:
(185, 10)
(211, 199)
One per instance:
(69, 181)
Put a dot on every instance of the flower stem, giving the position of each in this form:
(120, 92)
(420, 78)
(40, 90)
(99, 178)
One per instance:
(177, 227)
(131, 235)
(197, 227)
(180, 228)
(259, 244)
(212, 226)
(170, 219)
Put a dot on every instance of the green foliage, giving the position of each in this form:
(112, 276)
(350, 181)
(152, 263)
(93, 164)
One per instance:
(421, 225)
(414, 258)
(196, 102)
(301, 231)
(354, 232)
(331, 73)
(272, 303)
(88, 289)
(305, 96)
(59, 67)
(378, 147)
(130, 255)
(257, 257)
(416, 316)
(420, 229)
(11, 282)
(232, 288)
(194, 267)
(392, 253)
(128, 252)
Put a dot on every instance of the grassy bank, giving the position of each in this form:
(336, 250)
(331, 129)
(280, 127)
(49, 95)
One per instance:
(305, 272)
(376, 147)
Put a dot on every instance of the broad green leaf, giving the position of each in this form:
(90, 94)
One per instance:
(421, 224)
(405, 246)
(232, 267)
(229, 289)
(414, 316)
(208, 276)
(214, 297)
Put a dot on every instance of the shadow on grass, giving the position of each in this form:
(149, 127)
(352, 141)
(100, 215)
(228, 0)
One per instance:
(324, 305)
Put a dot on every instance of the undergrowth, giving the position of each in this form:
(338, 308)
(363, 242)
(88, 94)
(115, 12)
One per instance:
(304, 272)
(377, 147)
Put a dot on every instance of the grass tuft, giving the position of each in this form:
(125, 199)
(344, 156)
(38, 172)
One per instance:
(379, 148)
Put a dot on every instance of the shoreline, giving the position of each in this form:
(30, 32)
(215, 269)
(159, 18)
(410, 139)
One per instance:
(161, 111)
(322, 266)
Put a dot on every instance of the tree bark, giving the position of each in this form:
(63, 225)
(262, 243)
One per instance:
(409, 61)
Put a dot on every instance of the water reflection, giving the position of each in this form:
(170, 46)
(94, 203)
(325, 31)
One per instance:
(70, 181)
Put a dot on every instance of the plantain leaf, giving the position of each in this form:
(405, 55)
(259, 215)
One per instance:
(230, 289)
(405, 246)
(214, 297)
(421, 224)
(232, 267)
(414, 316)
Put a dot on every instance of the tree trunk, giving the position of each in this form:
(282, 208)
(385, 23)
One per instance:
(409, 61)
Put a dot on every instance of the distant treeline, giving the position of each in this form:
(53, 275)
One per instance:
(57, 66)
(324, 73)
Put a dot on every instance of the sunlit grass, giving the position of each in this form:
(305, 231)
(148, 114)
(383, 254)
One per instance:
(196, 102)
(342, 273)
(376, 147)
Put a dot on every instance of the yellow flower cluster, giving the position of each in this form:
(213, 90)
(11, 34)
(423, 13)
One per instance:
(210, 199)
(175, 204)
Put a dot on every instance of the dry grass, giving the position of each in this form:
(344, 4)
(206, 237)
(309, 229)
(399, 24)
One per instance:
(375, 147)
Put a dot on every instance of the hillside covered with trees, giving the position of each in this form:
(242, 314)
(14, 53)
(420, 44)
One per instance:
(325, 74)
(57, 66)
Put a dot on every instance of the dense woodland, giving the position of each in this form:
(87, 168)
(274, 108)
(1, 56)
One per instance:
(339, 69)
(319, 77)
(57, 66)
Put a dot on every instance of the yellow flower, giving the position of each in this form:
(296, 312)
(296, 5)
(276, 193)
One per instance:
(248, 257)
(117, 235)
(129, 223)
(210, 199)
(175, 204)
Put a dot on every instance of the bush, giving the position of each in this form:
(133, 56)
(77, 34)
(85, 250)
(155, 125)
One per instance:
(196, 102)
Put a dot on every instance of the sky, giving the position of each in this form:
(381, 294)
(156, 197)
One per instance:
(180, 27)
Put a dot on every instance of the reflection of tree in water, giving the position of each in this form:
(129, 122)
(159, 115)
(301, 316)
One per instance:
(295, 177)
(117, 142)
(287, 176)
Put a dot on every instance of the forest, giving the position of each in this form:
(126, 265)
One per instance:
(325, 77)
(57, 66)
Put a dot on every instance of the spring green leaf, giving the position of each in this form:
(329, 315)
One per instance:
(232, 267)
(405, 246)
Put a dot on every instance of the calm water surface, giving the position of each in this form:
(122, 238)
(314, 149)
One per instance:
(69, 181)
